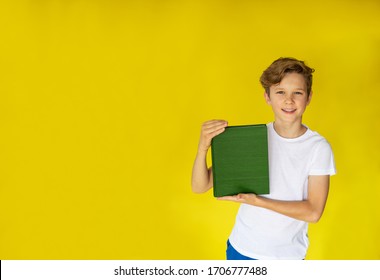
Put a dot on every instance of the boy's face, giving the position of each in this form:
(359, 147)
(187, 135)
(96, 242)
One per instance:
(289, 98)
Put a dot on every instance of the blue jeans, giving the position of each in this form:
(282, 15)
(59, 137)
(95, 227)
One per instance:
(232, 254)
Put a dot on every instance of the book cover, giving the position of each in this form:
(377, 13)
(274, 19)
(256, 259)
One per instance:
(240, 160)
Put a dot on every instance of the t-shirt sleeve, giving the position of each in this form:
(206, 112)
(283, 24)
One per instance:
(323, 162)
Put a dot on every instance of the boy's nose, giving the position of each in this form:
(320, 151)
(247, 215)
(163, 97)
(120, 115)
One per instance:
(288, 99)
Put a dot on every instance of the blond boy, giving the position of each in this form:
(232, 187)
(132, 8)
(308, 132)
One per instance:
(274, 226)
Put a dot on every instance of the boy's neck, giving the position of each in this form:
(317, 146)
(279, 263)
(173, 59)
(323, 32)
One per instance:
(289, 130)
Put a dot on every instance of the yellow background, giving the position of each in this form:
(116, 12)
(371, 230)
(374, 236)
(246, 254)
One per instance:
(101, 104)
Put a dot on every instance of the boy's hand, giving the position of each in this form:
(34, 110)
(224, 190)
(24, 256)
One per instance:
(247, 198)
(210, 129)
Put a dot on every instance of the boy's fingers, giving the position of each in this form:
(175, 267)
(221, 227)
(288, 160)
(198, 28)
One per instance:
(241, 197)
(210, 128)
(230, 198)
(217, 132)
(214, 123)
(211, 134)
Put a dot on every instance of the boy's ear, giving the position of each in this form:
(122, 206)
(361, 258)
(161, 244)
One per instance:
(267, 98)
(309, 98)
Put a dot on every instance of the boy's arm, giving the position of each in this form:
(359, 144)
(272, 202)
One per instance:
(309, 210)
(201, 180)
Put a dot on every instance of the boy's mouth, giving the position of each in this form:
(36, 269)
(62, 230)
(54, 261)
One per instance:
(289, 111)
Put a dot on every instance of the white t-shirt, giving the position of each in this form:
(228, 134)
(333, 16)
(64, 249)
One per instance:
(264, 234)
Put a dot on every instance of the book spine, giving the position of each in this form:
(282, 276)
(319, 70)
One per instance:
(213, 170)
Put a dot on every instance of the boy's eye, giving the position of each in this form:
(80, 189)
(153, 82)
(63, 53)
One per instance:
(298, 92)
(280, 92)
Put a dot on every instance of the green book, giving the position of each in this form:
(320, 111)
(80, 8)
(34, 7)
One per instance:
(240, 160)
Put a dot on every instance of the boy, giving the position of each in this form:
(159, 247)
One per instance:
(274, 226)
